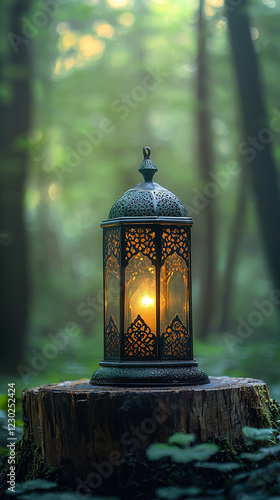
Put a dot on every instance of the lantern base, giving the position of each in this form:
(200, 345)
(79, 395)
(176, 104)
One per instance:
(158, 373)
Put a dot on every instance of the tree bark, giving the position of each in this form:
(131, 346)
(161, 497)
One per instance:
(13, 251)
(76, 424)
(258, 133)
(205, 163)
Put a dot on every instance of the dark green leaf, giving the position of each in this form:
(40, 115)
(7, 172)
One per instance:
(258, 434)
(181, 439)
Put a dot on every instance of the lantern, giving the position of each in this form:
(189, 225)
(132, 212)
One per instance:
(147, 289)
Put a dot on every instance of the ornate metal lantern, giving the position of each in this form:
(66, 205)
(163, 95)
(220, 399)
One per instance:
(147, 289)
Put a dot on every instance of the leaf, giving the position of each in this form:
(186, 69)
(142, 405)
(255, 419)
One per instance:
(175, 492)
(158, 450)
(200, 451)
(256, 457)
(271, 450)
(258, 434)
(181, 439)
(262, 453)
(182, 455)
(223, 467)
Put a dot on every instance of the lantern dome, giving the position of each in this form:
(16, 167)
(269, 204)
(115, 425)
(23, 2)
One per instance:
(148, 199)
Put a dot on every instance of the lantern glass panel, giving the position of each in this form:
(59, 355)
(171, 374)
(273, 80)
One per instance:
(112, 291)
(140, 283)
(174, 308)
(173, 290)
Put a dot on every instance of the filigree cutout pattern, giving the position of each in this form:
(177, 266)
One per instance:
(142, 204)
(175, 240)
(175, 340)
(139, 340)
(118, 209)
(112, 243)
(175, 263)
(140, 240)
(112, 268)
(168, 204)
(112, 339)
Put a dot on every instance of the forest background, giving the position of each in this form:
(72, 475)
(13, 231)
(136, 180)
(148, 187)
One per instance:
(84, 85)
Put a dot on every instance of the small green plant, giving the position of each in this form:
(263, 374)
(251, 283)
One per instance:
(179, 450)
(252, 475)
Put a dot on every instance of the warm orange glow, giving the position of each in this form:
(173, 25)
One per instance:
(147, 301)
(215, 3)
(91, 47)
(118, 4)
(143, 302)
(104, 30)
(69, 62)
(54, 192)
(57, 67)
(69, 40)
(127, 19)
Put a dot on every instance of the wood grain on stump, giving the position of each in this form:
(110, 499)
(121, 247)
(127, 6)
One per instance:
(77, 424)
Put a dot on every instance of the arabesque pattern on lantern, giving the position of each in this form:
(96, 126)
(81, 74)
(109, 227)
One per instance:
(175, 340)
(140, 284)
(139, 340)
(112, 243)
(140, 240)
(175, 240)
(112, 339)
(142, 337)
(112, 292)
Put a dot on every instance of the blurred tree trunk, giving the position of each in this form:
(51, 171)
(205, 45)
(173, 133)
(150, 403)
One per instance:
(234, 240)
(205, 162)
(257, 133)
(15, 124)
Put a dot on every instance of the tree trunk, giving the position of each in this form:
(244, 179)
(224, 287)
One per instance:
(77, 425)
(258, 133)
(205, 162)
(235, 234)
(13, 260)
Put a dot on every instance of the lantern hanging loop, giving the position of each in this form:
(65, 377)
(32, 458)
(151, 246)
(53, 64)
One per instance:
(147, 167)
(146, 152)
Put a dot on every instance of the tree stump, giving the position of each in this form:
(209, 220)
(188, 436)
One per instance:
(86, 428)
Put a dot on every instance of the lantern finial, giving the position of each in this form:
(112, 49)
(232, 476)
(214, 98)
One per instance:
(147, 167)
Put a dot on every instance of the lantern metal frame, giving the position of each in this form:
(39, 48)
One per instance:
(153, 366)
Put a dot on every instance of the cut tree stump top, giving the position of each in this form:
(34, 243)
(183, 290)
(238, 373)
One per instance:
(77, 424)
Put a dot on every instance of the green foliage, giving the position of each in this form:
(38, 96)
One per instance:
(33, 485)
(88, 58)
(179, 451)
(37, 489)
(204, 474)
(243, 476)
(251, 434)
(175, 492)
(181, 439)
